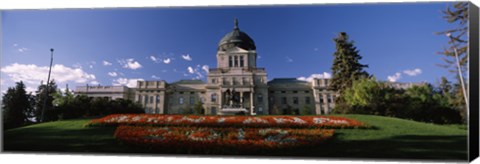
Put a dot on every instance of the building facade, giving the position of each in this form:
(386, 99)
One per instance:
(235, 85)
(236, 75)
(109, 92)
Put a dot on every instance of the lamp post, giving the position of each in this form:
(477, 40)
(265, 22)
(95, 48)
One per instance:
(47, 87)
(449, 35)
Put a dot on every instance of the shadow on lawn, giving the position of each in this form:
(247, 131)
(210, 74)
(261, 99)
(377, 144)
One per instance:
(399, 147)
(101, 140)
(52, 139)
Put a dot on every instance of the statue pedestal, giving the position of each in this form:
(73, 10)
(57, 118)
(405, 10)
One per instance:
(232, 111)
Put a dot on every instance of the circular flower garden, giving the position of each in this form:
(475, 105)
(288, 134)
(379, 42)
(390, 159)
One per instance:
(207, 133)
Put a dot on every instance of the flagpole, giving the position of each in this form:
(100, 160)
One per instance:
(47, 88)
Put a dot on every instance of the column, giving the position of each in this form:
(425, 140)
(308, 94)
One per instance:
(220, 99)
(251, 102)
(241, 99)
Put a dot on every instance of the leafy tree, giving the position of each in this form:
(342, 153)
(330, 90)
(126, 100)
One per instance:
(50, 114)
(365, 96)
(306, 110)
(198, 108)
(346, 67)
(16, 106)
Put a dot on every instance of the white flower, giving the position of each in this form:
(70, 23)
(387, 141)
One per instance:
(298, 120)
(320, 120)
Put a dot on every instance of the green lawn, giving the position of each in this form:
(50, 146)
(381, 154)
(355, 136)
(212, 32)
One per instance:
(390, 139)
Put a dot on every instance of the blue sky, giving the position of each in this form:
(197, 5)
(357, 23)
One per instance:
(119, 46)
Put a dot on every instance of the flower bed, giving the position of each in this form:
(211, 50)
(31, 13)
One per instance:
(228, 121)
(219, 139)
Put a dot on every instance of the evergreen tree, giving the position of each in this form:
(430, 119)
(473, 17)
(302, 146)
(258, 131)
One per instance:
(16, 106)
(457, 14)
(346, 67)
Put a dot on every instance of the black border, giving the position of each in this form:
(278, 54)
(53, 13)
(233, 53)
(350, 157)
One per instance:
(473, 86)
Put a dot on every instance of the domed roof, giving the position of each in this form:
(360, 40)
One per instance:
(236, 38)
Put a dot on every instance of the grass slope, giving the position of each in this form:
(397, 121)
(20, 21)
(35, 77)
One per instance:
(392, 138)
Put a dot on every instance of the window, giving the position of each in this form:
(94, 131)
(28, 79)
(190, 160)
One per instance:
(151, 99)
(230, 61)
(181, 92)
(192, 100)
(214, 97)
(214, 81)
(158, 99)
(214, 111)
(202, 99)
(329, 100)
(260, 98)
(307, 100)
(295, 91)
(283, 91)
(236, 61)
(241, 61)
(192, 93)
(145, 100)
(295, 100)
(272, 92)
(180, 100)
(139, 98)
(307, 91)
(284, 100)
(321, 99)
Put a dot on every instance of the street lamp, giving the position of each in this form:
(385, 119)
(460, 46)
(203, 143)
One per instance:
(449, 35)
(46, 89)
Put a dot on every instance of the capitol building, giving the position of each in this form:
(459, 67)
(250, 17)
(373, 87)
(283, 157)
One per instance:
(236, 85)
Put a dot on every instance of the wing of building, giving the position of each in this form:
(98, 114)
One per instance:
(235, 85)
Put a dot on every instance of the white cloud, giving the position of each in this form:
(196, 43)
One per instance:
(289, 59)
(23, 49)
(205, 68)
(153, 58)
(94, 82)
(187, 57)
(318, 76)
(167, 61)
(395, 77)
(33, 74)
(106, 63)
(130, 63)
(190, 70)
(126, 82)
(414, 72)
(155, 77)
(259, 57)
(15, 45)
(31, 90)
(91, 66)
(113, 74)
(77, 65)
